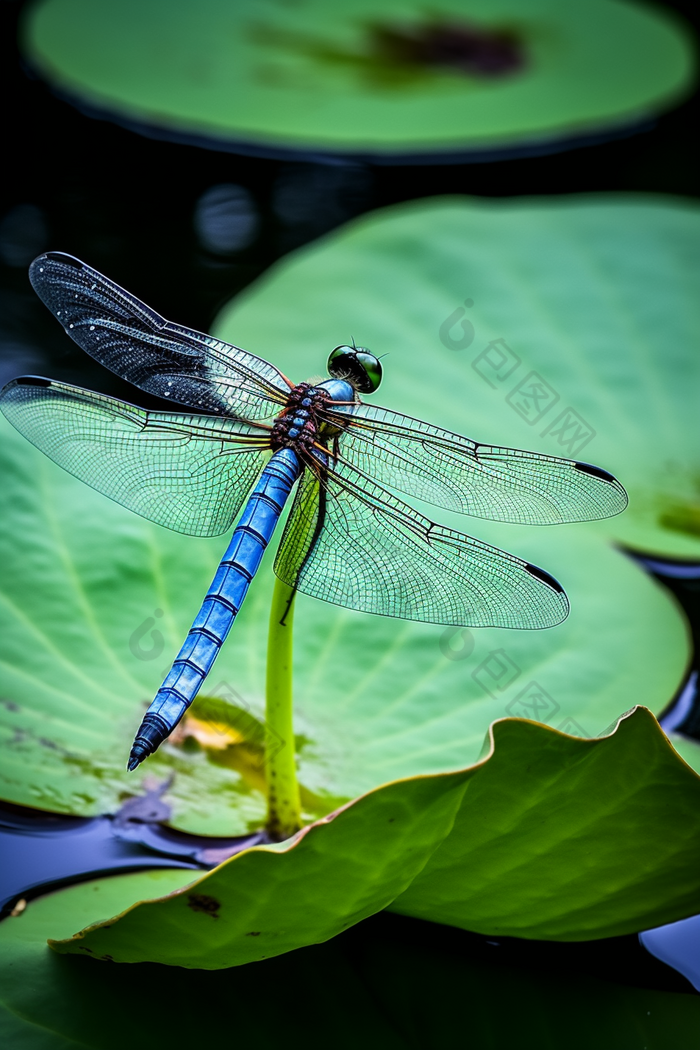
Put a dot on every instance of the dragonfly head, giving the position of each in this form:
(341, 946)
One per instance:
(355, 364)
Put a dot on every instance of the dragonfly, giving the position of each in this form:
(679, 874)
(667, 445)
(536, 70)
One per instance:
(245, 435)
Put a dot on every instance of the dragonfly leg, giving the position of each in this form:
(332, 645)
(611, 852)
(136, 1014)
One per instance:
(320, 522)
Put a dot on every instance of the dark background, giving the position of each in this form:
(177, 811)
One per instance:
(125, 204)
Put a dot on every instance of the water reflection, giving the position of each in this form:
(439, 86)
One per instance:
(226, 219)
(45, 850)
(678, 945)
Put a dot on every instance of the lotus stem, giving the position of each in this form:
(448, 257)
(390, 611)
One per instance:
(283, 805)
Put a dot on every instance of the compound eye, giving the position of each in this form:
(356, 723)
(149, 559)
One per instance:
(357, 365)
(372, 368)
(340, 360)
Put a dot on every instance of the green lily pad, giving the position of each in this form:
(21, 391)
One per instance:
(548, 836)
(303, 891)
(598, 876)
(578, 337)
(385, 991)
(386, 79)
(84, 650)
(687, 748)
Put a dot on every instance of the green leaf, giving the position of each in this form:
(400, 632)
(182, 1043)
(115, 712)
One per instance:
(302, 78)
(548, 842)
(551, 846)
(376, 699)
(380, 985)
(597, 296)
(305, 890)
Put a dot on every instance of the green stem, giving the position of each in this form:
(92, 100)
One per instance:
(283, 806)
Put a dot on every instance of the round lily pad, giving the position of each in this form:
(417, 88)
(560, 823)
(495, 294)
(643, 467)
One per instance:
(385, 987)
(95, 602)
(564, 326)
(602, 834)
(389, 81)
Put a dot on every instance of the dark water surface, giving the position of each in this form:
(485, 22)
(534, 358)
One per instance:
(43, 852)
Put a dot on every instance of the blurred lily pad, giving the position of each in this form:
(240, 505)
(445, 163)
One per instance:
(687, 748)
(386, 80)
(387, 992)
(548, 836)
(564, 326)
(95, 602)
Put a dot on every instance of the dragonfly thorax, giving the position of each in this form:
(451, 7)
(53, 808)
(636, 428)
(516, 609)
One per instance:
(338, 390)
(297, 427)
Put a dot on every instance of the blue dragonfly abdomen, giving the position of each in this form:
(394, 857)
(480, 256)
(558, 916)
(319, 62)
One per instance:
(221, 604)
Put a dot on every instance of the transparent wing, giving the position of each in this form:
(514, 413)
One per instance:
(450, 471)
(156, 355)
(190, 473)
(350, 542)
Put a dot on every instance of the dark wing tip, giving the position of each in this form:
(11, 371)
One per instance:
(57, 257)
(24, 381)
(70, 260)
(597, 472)
(36, 268)
(544, 577)
(31, 381)
(45, 288)
(558, 607)
(608, 479)
(62, 257)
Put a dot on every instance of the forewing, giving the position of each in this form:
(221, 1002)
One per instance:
(156, 355)
(375, 554)
(453, 472)
(189, 473)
